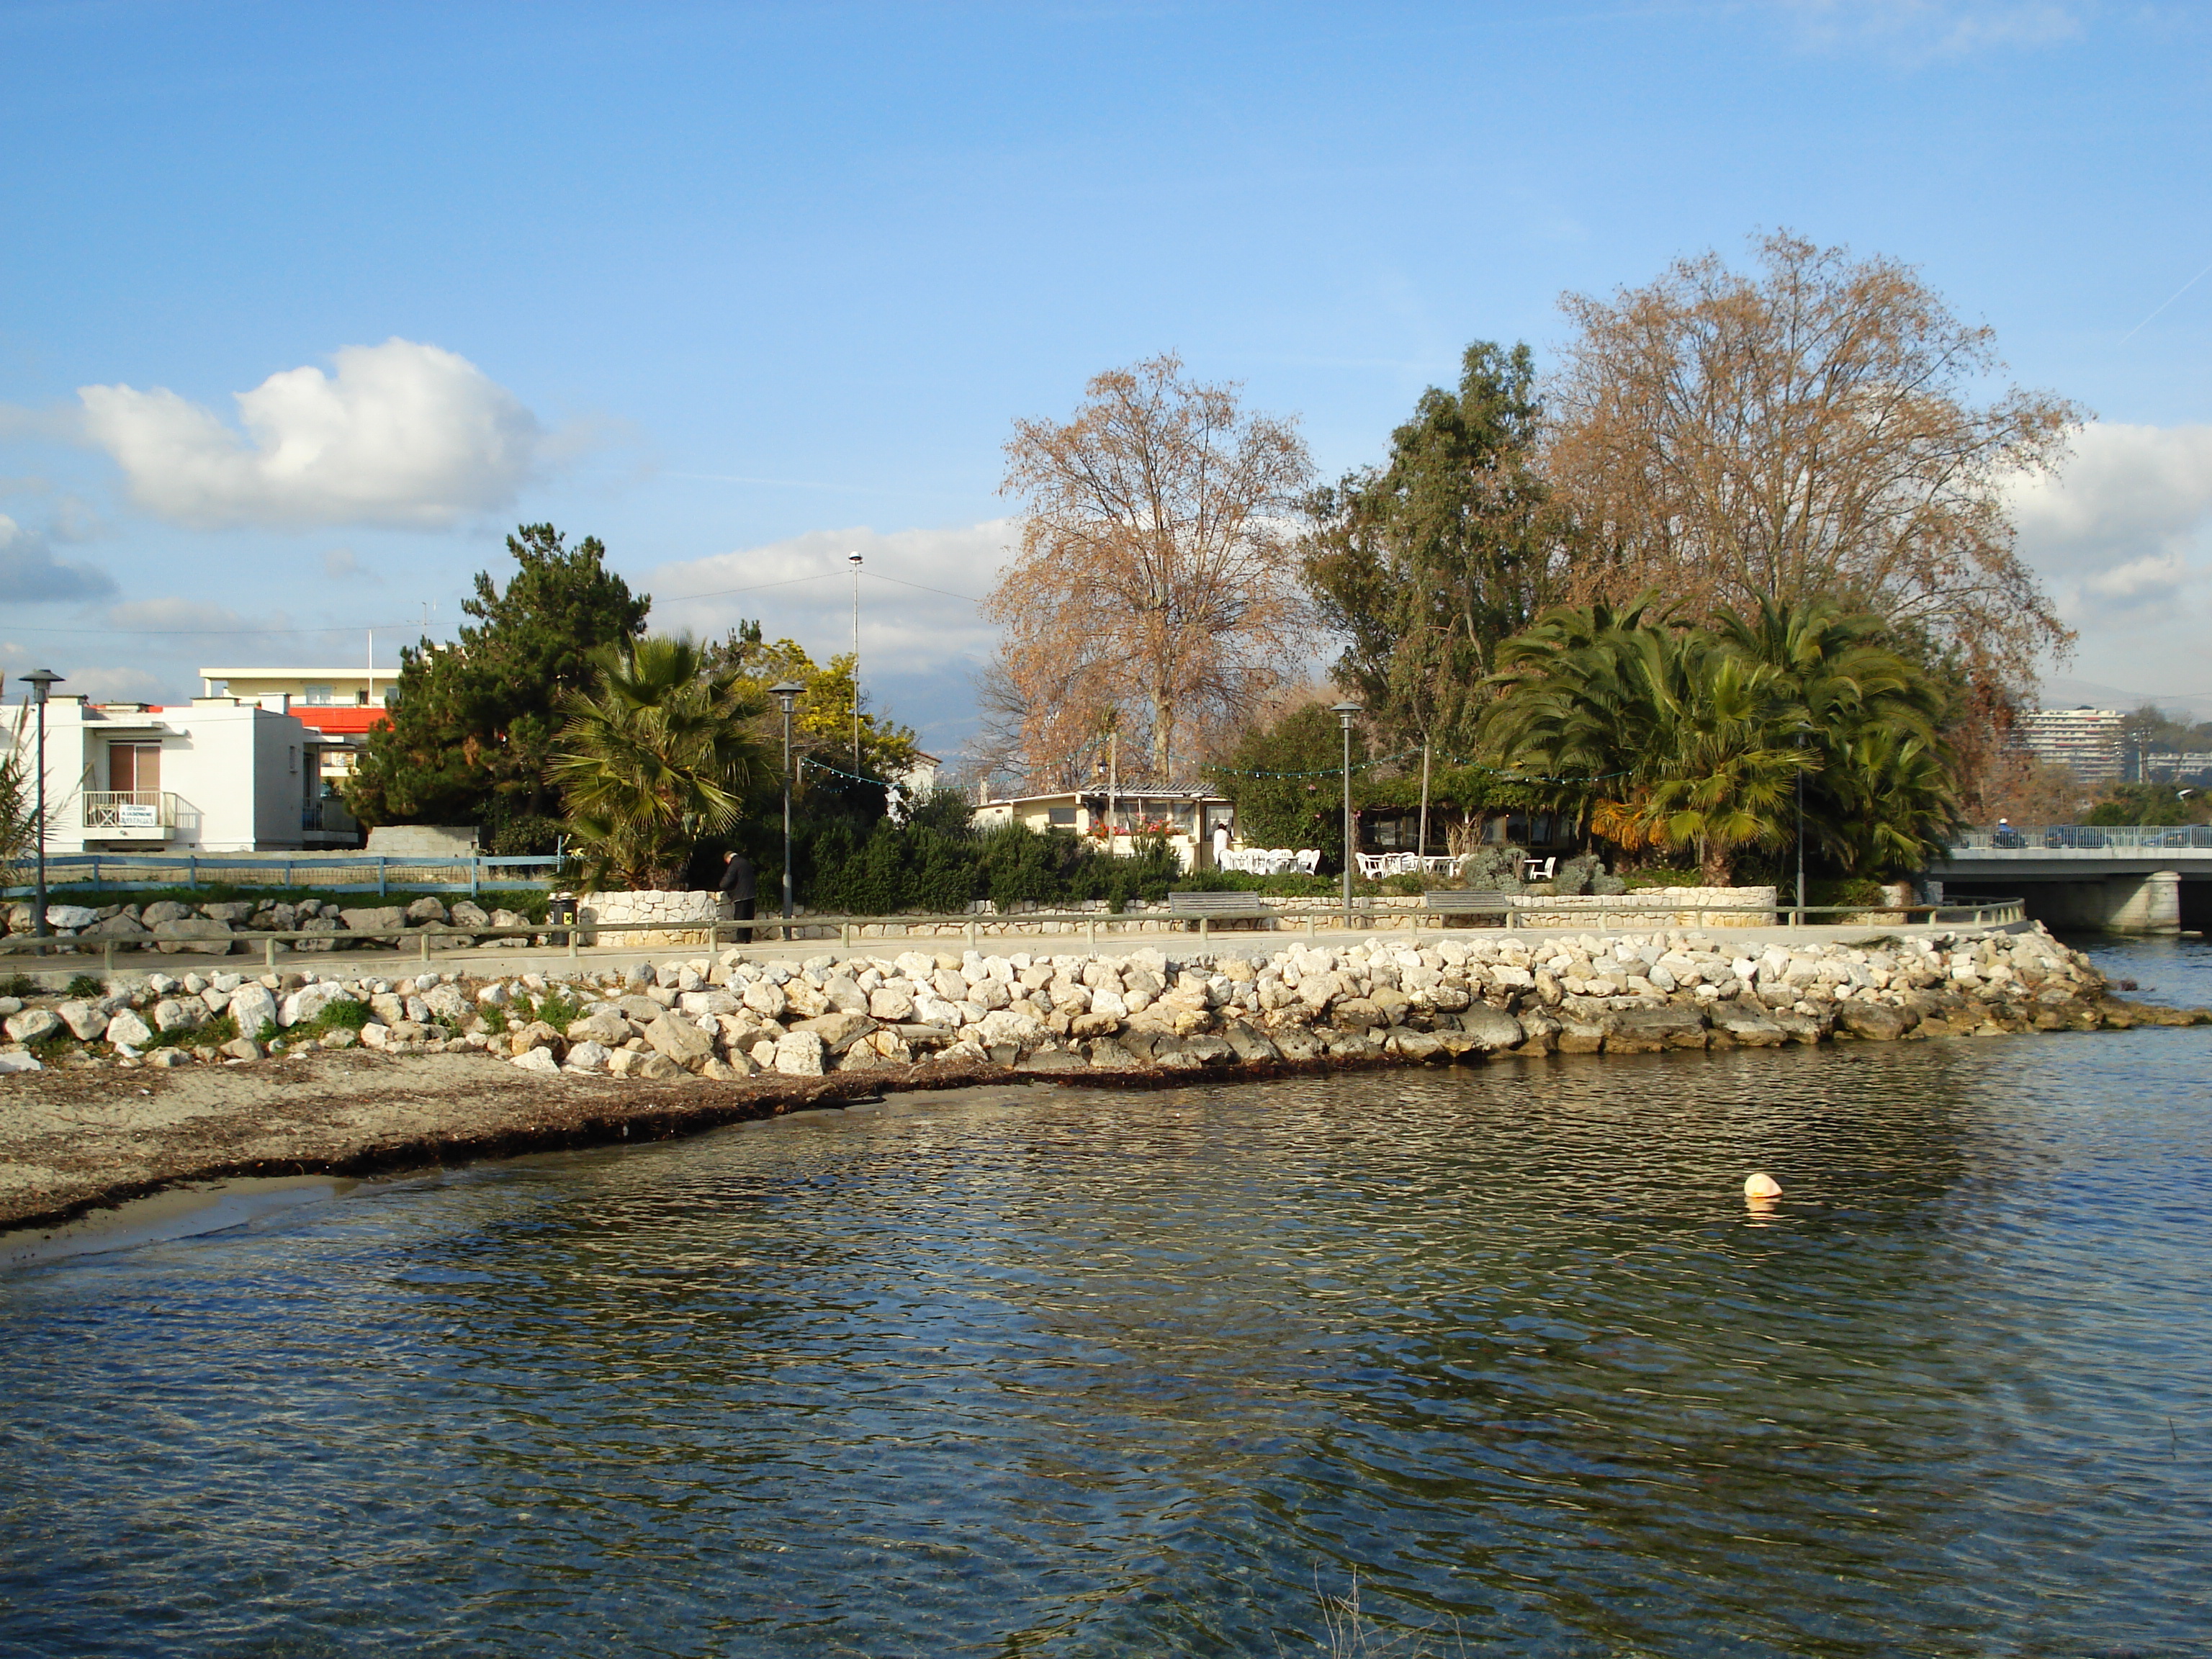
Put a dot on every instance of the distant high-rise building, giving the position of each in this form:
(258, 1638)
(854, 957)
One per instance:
(2087, 741)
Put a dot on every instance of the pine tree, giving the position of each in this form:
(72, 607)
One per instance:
(472, 731)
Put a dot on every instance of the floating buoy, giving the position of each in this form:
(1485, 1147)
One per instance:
(1761, 1186)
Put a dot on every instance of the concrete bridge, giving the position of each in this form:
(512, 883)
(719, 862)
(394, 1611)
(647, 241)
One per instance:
(2130, 878)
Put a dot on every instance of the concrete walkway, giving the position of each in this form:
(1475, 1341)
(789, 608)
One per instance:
(490, 961)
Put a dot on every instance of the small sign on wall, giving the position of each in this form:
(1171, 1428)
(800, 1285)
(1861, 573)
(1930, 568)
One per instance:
(137, 814)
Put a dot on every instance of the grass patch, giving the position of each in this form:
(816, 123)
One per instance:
(557, 1008)
(208, 1034)
(86, 986)
(344, 1014)
(52, 1047)
(20, 985)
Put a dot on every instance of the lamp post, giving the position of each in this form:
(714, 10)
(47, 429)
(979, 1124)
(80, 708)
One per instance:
(41, 681)
(1801, 833)
(787, 693)
(1344, 711)
(854, 559)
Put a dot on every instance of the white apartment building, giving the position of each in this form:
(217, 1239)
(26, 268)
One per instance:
(342, 704)
(221, 774)
(359, 686)
(2085, 741)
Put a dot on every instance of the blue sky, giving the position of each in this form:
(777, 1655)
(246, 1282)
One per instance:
(740, 289)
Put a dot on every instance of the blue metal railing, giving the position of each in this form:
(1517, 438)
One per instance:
(2085, 837)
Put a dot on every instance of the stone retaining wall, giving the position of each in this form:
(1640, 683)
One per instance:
(691, 906)
(1297, 1004)
(1682, 906)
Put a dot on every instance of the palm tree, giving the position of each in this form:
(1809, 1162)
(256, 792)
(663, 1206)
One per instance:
(1724, 775)
(657, 755)
(1674, 734)
(1881, 795)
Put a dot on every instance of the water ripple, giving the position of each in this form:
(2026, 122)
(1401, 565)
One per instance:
(1079, 1372)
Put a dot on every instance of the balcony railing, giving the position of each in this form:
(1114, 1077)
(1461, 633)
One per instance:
(2085, 838)
(329, 816)
(129, 809)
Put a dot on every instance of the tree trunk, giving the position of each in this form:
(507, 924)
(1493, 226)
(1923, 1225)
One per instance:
(1163, 738)
(1715, 863)
(1423, 850)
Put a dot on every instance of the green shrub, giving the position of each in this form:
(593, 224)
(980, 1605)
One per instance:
(1636, 880)
(86, 985)
(344, 1014)
(208, 1034)
(20, 985)
(935, 862)
(1288, 886)
(557, 1008)
(1843, 889)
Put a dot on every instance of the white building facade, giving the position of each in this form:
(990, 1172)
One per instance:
(2085, 741)
(220, 774)
(1187, 817)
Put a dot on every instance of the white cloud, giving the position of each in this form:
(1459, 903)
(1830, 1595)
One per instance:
(342, 565)
(2128, 525)
(1918, 31)
(30, 574)
(921, 636)
(917, 595)
(403, 434)
(2122, 537)
(102, 682)
(174, 615)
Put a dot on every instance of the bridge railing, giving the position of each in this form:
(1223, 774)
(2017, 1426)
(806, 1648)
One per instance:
(2086, 838)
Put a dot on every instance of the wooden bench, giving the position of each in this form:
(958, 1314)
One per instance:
(1206, 909)
(1459, 906)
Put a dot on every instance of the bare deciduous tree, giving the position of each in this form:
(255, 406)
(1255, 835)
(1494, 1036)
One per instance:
(1816, 429)
(1155, 584)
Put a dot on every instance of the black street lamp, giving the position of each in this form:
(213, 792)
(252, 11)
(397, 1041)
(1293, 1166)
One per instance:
(787, 693)
(41, 681)
(1800, 832)
(1344, 711)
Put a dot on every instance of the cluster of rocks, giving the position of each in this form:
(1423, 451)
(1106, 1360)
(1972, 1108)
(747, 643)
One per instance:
(210, 929)
(1452, 999)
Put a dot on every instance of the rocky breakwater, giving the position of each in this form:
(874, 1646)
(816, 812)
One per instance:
(171, 928)
(1454, 999)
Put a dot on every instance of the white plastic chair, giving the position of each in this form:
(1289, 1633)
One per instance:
(1309, 860)
(1539, 869)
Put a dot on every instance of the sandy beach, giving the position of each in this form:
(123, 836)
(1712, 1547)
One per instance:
(75, 1140)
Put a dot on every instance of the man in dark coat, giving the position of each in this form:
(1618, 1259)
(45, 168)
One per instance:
(736, 886)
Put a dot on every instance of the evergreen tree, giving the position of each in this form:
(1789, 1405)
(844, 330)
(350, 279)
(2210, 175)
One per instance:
(472, 731)
(1423, 566)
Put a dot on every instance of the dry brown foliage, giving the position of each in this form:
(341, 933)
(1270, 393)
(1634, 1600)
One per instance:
(2015, 785)
(1813, 429)
(1154, 588)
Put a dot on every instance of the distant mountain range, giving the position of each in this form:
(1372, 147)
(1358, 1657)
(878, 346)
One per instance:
(2064, 693)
